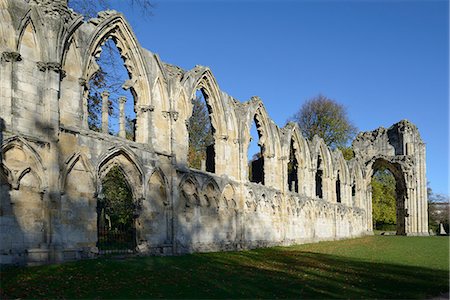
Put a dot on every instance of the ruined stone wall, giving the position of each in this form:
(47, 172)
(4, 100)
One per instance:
(52, 165)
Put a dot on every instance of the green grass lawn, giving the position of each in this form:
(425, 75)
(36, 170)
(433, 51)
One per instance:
(369, 267)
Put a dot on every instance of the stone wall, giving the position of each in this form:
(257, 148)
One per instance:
(52, 165)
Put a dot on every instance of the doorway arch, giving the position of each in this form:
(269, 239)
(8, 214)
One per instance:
(397, 170)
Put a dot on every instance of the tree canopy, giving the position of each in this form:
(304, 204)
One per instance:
(326, 118)
(383, 198)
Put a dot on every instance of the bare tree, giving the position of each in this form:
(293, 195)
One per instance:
(111, 74)
(90, 8)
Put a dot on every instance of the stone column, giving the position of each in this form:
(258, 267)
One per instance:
(105, 106)
(144, 129)
(7, 61)
(122, 132)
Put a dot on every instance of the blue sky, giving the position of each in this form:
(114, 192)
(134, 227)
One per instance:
(384, 60)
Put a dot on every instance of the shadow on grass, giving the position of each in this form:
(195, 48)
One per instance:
(266, 273)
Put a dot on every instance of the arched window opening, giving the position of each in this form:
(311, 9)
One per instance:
(293, 169)
(319, 174)
(255, 156)
(384, 207)
(110, 102)
(115, 214)
(354, 193)
(338, 188)
(201, 152)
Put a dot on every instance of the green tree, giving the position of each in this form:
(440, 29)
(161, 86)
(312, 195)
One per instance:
(326, 118)
(200, 133)
(118, 201)
(383, 199)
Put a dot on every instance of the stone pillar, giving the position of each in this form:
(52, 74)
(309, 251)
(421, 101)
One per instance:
(7, 61)
(105, 108)
(122, 132)
(144, 129)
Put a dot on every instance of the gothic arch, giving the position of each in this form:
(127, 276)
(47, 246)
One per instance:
(320, 153)
(130, 166)
(357, 183)
(158, 187)
(112, 25)
(302, 154)
(70, 162)
(189, 187)
(342, 177)
(269, 141)
(401, 171)
(201, 78)
(23, 165)
(161, 115)
(211, 192)
(30, 162)
(29, 44)
(229, 196)
(159, 95)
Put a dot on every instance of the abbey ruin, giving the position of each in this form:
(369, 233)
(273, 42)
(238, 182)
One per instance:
(53, 166)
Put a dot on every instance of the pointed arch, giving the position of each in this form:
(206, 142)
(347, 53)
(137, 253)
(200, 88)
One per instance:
(70, 106)
(114, 26)
(322, 165)
(182, 105)
(229, 197)
(70, 163)
(319, 148)
(201, 78)
(211, 191)
(72, 61)
(25, 160)
(268, 141)
(357, 183)
(294, 137)
(159, 95)
(28, 44)
(158, 187)
(221, 114)
(342, 178)
(189, 187)
(129, 165)
(162, 114)
(399, 168)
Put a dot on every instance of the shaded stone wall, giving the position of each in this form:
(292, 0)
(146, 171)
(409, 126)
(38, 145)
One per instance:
(52, 165)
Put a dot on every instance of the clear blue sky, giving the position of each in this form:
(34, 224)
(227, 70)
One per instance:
(384, 60)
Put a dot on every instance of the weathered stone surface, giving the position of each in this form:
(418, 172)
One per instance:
(52, 166)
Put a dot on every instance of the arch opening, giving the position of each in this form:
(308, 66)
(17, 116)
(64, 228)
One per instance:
(115, 214)
(388, 197)
(319, 178)
(338, 188)
(110, 99)
(201, 151)
(293, 169)
(255, 154)
(354, 194)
